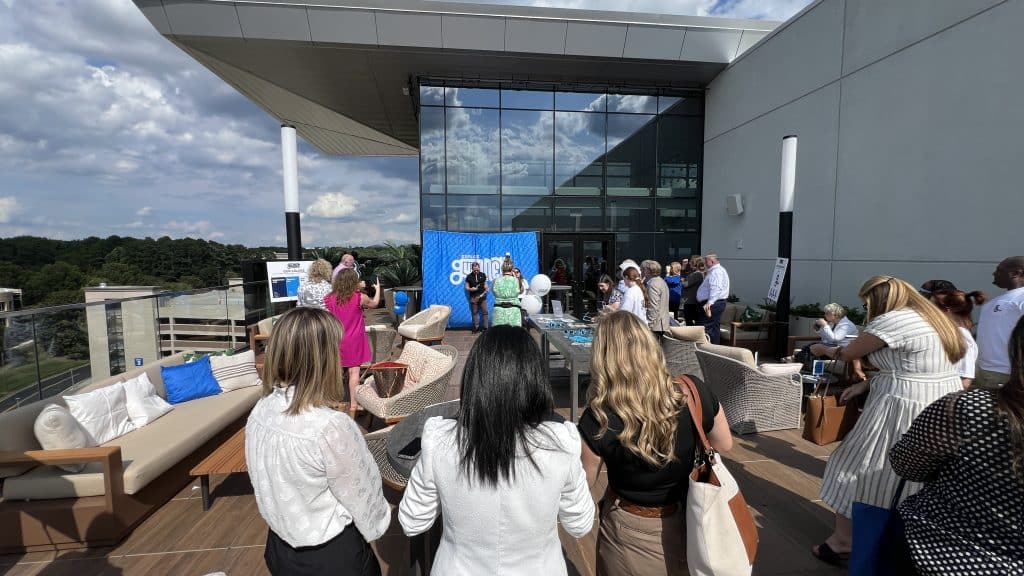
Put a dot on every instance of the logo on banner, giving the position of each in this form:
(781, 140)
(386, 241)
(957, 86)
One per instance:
(463, 265)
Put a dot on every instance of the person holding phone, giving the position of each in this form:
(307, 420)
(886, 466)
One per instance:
(346, 302)
(476, 288)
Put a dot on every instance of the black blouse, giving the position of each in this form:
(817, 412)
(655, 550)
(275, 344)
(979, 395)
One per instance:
(637, 480)
(969, 517)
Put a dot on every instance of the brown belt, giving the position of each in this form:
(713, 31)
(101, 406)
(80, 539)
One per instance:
(640, 510)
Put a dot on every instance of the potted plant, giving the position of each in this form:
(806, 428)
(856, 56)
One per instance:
(802, 317)
(857, 315)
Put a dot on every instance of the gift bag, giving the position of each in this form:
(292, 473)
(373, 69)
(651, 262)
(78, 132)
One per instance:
(826, 420)
(388, 377)
(875, 530)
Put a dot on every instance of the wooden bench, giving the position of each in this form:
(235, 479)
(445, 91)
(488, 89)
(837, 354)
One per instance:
(228, 458)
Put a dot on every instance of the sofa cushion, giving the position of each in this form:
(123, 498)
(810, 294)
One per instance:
(234, 372)
(736, 353)
(103, 413)
(147, 452)
(144, 405)
(189, 381)
(57, 429)
(776, 369)
(688, 333)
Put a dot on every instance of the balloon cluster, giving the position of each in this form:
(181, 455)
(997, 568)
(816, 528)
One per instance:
(540, 285)
(401, 299)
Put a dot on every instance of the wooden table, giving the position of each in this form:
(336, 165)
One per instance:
(577, 357)
(228, 458)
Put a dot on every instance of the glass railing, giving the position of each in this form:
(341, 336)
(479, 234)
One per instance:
(49, 351)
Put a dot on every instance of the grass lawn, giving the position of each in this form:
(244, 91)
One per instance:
(14, 379)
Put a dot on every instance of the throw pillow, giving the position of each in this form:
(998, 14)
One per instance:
(189, 381)
(103, 413)
(751, 315)
(57, 429)
(776, 369)
(144, 405)
(234, 372)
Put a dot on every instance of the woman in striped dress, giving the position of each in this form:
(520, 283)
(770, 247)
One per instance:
(915, 347)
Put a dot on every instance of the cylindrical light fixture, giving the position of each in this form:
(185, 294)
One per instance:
(787, 194)
(290, 172)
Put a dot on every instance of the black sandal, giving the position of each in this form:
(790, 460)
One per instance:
(826, 554)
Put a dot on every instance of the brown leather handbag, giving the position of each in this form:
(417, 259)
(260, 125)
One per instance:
(826, 420)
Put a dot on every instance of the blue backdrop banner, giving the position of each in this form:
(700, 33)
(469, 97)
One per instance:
(448, 257)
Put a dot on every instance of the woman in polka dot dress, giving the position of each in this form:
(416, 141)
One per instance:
(968, 449)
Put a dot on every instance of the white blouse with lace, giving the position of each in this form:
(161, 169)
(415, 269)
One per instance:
(312, 474)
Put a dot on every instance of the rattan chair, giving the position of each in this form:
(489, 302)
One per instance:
(681, 357)
(434, 374)
(753, 401)
(377, 442)
(426, 326)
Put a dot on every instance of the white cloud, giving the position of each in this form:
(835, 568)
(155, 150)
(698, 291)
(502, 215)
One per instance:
(200, 229)
(144, 211)
(8, 208)
(333, 205)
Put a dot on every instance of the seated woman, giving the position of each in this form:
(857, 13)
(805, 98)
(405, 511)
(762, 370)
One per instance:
(835, 329)
(968, 450)
(611, 297)
(504, 473)
(315, 482)
(638, 425)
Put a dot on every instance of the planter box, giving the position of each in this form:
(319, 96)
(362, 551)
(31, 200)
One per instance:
(800, 326)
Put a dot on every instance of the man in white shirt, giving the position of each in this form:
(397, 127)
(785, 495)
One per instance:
(998, 319)
(713, 295)
(347, 261)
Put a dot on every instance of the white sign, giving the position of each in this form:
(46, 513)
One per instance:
(778, 275)
(284, 278)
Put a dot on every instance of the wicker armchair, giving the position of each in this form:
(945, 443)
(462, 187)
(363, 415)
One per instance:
(377, 442)
(680, 348)
(427, 325)
(432, 366)
(753, 401)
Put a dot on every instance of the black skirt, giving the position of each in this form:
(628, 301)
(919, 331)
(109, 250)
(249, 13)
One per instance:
(346, 553)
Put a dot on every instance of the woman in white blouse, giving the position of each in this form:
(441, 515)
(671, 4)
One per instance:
(958, 306)
(504, 473)
(634, 299)
(315, 482)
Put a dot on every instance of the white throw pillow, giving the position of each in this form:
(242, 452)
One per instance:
(776, 369)
(103, 413)
(143, 403)
(234, 372)
(57, 429)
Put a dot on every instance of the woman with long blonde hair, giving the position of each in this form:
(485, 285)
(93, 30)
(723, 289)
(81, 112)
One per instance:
(915, 346)
(315, 482)
(638, 425)
(346, 302)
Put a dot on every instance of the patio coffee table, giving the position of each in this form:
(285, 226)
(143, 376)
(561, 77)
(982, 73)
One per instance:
(228, 458)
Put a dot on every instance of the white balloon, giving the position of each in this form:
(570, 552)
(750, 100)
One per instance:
(531, 303)
(540, 284)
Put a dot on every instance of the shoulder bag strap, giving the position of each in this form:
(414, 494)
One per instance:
(696, 413)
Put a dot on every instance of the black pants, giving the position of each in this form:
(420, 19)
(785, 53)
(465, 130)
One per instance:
(713, 323)
(346, 553)
(692, 313)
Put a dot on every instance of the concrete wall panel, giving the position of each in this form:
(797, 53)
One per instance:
(703, 45)
(193, 18)
(653, 42)
(342, 26)
(590, 39)
(269, 22)
(806, 55)
(409, 29)
(544, 37)
(473, 32)
(153, 10)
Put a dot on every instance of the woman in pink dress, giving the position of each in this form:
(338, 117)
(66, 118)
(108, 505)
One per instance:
(346, 302)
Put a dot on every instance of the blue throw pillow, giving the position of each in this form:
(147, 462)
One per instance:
(189, 381)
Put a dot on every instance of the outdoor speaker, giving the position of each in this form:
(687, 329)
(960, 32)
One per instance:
(734, 205)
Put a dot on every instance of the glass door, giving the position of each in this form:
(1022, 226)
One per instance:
(575, 262)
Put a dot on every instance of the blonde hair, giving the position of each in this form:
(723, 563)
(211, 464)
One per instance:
(507, 266)
(631, 380)
(675, 268)
(697, 262)
(882, 294)
(344, 286)
(302, 353)
(320, 271)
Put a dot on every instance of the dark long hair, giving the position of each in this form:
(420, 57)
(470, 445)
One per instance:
(504, 397)
(1010, 399)
(958, 304)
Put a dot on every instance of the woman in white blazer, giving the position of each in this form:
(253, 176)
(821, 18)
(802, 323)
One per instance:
(505, 472)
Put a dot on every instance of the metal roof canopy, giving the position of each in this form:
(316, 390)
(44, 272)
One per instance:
(344, 73)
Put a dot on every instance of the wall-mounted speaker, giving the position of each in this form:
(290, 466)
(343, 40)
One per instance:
(734, 205)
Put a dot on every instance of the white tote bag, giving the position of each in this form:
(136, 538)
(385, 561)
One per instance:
(721, 536)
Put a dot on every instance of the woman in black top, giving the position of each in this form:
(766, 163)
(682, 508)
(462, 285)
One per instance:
(691, 309)
(968, 449)
(638, 425)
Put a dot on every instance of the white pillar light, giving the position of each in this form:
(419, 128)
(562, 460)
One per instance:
(788, 183)
(290, 169)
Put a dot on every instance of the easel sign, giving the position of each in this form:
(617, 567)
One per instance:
(778, 275)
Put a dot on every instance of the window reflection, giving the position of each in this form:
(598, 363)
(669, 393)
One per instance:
(632, 139)
(577, 215)
(632, 103)
(678, 215)
(630, 214)
(580, 101)
(432, 150)
(527, 99)
(579, 148)
(525, 213)
(431, 96)
(526, 152)
(471, 97)
(473, 213)
(679, 155)
(432, 212)
(472, 151)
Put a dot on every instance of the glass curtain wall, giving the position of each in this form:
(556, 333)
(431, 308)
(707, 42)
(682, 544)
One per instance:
(502, 159)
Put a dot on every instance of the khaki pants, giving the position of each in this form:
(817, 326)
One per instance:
(988, 380)
(629, 545)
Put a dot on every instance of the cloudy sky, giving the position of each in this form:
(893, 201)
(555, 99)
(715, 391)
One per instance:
(107, 128)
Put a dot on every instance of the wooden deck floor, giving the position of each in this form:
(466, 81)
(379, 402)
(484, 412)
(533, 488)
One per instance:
(779, 472)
